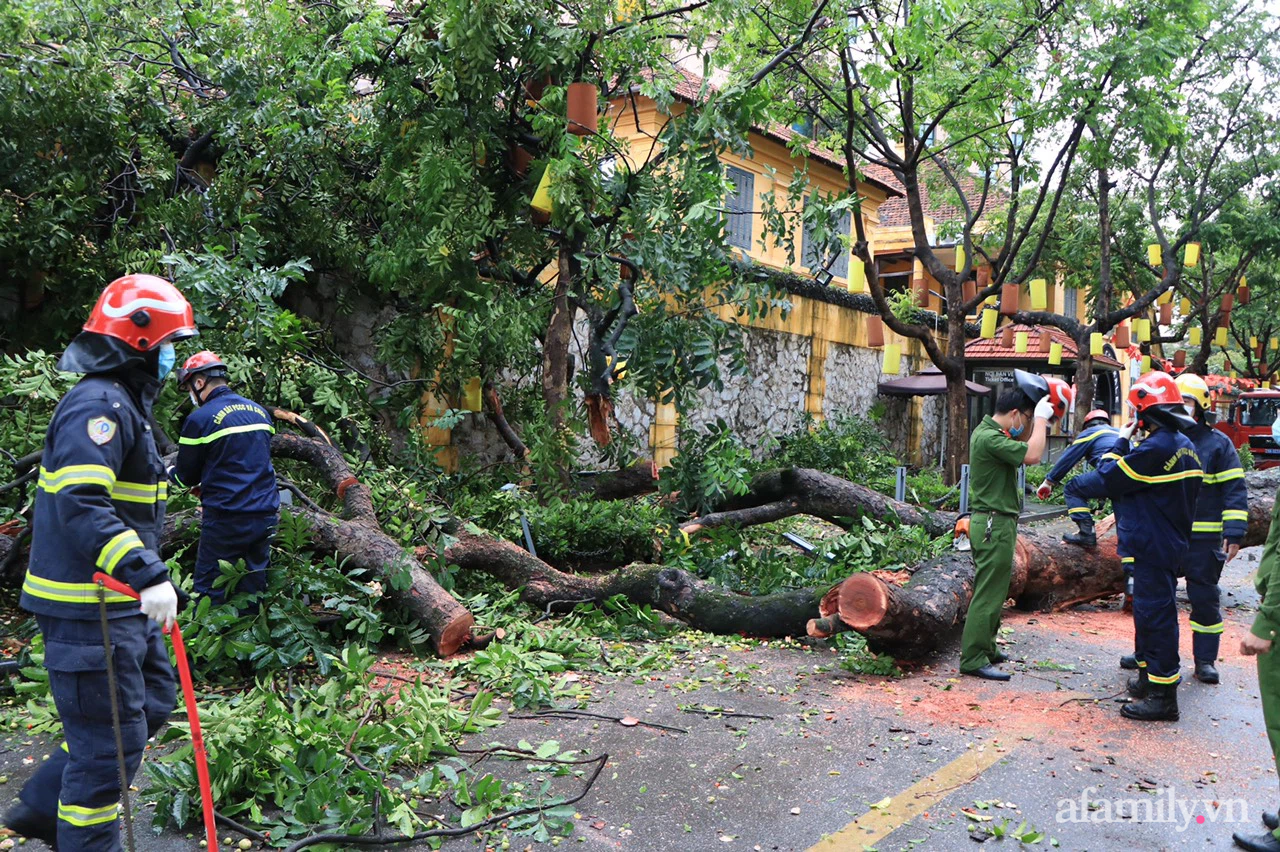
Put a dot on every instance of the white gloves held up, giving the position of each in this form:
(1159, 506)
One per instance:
(1127, 430)
(1045, 489)
(160, 603)
(1044, 409)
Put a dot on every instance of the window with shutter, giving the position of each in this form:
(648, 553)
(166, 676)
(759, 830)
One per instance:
(740, 204)
(837, 264)
(1069, 303)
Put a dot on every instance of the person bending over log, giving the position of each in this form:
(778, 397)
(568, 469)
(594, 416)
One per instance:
(1013, 436)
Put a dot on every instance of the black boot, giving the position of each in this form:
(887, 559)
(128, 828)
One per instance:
(1139, 685)
(1263, 842)
(1271, 819)
(1205, 672)
(25, 822)
(1085, 536)
(1160, 705)
(1129, 662)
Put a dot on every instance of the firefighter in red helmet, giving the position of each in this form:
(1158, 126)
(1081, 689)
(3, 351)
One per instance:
(100, 505)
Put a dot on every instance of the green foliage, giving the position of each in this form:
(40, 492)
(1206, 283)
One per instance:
(711, 466)
(856, 657)
(1246, 457)
(586, 533)
(855, 448)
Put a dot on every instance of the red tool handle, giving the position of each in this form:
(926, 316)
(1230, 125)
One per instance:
(189, 696)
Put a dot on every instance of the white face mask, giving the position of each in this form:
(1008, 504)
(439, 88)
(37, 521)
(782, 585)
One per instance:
(1190, 407)
(195, 403)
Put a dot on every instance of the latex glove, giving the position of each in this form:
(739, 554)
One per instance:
(160, 603)
(1231, 548)
(1127, 430)
(1044, 409)
(1045, 489)
(1251, 645)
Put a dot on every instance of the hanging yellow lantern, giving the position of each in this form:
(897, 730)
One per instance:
(1164, 298)
(892, 359)
(1153, 254)
(857, 282)
(1220, 336)
(1095, 343)
(1055, 353)
(1142, 328)
(1039, 294)
(542, 195)
(471, 399)
(1194, 336)
(1146, 363)
(1191, 256)
(626, 10)
(1234, 375)
(989, 319)
(1020, 341)
(1253, 341)
(1266, 385)
(1184, 307)
(960, 257)
(1275, 343)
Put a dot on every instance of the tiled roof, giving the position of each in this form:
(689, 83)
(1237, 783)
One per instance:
(983, 349)
(689, 87)
(946, 208)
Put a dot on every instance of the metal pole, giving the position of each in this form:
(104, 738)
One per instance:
(900, 484)
(964, 489)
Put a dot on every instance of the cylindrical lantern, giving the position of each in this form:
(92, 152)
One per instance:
(1253, 341)
(1046, 340)
(875, 331)
(989, 320)
(857, 281)
(1184, 307)
(1228, 302)
(892, 359)
(1234, 374)
(984, 276)
(1146, 363)
(1122, 336)
(1259, 351)
(1009, 299)
(920, 290)
(1191, 256)
(970, 290)
(1193, 335)
(1180, 358)
(960, 257)
(1266, 385)
(541, 202)
(471, 394)
(1020, 341)
(1274, 344)
(1153, 254)
(1039, 294)
(519, 159)
(1006, 337)
(1242, 294)
(1142, 328)
(583, 99)
(1164, 298)
(1095, 343)
(1166, 314)
(1055, 353)
(1220, 337)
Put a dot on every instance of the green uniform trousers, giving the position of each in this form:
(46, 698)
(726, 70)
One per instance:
(1269, 688)
(993, 558)
(1269, 663)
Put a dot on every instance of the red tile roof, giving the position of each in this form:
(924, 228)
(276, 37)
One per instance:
(982, 349)
(689, 88)
(945, 208)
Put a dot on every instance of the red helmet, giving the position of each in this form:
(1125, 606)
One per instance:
(1096, 414)
(1062, 395)
(144, 311)
(1154, 388)
(201, 362)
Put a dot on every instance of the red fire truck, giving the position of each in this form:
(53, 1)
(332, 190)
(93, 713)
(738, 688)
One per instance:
(1248, 421)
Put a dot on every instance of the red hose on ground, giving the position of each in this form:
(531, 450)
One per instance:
(189, 696)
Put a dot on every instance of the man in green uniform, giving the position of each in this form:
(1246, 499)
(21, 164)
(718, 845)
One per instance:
(1258, 641)
(1013, 436)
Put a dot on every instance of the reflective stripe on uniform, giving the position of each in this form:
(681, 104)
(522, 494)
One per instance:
(1164, 681)
(115, 549)
(1078, 510)
(1224, 476)
(1235, 515)
(1095, 436)
(79, 816)
(1126, 560)
(139, 492)
(53, 481)
(1112, 457)
(75, 593)
(1165, 477)
(1206, 628)
(1142, 664)
(230, 430)
(1206, 526)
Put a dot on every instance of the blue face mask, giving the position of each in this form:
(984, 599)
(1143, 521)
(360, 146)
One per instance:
(168, 357)
(1017, 433)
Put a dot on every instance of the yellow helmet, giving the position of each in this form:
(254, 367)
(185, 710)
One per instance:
(1189, 384)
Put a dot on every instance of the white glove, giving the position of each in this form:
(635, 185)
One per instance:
(160, 603)
(1045, 489)
(1127, 430)
(1044, 409)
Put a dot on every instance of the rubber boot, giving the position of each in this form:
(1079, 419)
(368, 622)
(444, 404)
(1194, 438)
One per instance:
(1138, 686)
(1085, 536)
(25, 822)
(1129, 662)
(1160, 705)
(1271, 819)
(1206, 672)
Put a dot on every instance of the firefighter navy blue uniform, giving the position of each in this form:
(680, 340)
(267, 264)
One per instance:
(1222, 514)
(1157, 483)
(225, 449)
(100, 506)
(1092, 444)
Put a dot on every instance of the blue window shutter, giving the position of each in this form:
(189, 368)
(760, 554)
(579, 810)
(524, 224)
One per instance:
(740, 205)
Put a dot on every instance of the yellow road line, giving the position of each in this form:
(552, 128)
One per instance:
(878, 823)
